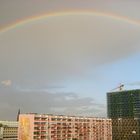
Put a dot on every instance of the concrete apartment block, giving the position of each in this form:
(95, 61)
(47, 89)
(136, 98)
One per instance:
(59, 127)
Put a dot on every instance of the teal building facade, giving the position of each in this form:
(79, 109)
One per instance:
(123, 107)
(123, 104)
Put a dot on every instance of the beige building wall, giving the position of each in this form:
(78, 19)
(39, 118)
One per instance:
(8, 130)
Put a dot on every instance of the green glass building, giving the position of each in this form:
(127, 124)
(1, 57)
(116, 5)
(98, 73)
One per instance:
(123, 104)
(123, 107)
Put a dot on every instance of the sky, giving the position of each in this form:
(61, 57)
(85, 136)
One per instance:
(62, 57)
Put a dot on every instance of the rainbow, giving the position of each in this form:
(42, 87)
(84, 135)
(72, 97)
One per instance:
(71, 12)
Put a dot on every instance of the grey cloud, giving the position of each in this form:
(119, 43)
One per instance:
(56, 50)
(46, 102)
(6, 82)
(19, 9)
(51, 51)
(137, 83)
(40, 88)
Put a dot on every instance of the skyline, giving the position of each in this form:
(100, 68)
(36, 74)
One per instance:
(70, 60)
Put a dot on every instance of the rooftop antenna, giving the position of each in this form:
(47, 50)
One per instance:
(18, 115)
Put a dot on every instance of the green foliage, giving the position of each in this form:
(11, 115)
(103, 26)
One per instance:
(1, 125)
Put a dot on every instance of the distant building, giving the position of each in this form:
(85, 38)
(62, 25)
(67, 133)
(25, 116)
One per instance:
(52, 127)
(123, 108)
(8, 130)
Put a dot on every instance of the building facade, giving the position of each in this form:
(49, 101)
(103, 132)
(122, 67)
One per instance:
(123, 108)
(52, 127)
(8, 130)
(126, 129)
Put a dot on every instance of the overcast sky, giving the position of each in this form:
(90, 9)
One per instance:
(65, 64)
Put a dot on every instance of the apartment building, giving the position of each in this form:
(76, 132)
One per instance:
(8, 130)
(59, 127)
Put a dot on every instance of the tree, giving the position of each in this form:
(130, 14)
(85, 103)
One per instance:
(1, 124)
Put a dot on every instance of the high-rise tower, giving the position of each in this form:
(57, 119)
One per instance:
(123, 108)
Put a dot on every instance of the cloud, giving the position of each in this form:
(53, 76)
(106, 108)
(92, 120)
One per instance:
(137, 83)
(40, 88)
(60, 50)
(46, 102)
(67, 47)
(45, 6)
(6, 83)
